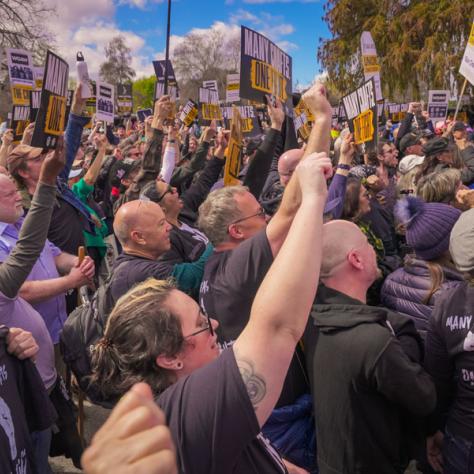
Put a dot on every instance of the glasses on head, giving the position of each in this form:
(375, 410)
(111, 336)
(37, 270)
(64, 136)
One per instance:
(169, 190)
(206, 325)
(260, 213)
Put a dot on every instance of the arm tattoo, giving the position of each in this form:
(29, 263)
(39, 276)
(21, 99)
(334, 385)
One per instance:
(254, 383)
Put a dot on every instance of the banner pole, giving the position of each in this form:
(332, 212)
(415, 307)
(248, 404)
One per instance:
(459, 100)
(167, 55)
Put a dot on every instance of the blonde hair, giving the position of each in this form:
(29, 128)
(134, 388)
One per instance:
(440, 186)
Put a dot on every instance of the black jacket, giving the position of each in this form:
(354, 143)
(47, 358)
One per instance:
(450, 360)
(362, 382)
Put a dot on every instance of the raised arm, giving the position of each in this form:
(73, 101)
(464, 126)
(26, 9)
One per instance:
(93, 172)
(16, 268)
(283, 302)
(319, 142)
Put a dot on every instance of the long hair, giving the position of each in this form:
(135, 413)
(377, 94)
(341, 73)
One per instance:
(350, 210)
(139, 329)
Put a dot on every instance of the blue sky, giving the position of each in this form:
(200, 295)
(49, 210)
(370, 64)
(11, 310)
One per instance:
(89, 25)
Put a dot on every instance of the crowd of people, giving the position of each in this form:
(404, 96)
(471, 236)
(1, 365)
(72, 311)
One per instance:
(317, 317)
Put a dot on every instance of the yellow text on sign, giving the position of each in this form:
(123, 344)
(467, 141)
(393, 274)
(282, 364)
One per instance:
(21, 95)
(232, 163)
(55, 115)
(265, 78)
(370, 63)
(211, 112)
(471, 36)
(364, 127)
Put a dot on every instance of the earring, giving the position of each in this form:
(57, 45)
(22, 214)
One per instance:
(179, 365)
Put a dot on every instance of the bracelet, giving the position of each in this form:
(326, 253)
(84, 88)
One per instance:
(343, 166)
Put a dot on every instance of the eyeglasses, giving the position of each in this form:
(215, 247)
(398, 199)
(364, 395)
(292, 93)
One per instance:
(206, 326)
(260, 213)
(168, 190)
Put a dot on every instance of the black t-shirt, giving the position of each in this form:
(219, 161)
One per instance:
(130, 269)
(186, 247)
(66, 228)
(24, 407)
(229, 285)
(213, 423)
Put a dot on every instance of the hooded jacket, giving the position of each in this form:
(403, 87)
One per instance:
(362, 382)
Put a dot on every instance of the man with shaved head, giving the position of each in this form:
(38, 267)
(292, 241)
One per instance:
(144, 234)
(363, 364)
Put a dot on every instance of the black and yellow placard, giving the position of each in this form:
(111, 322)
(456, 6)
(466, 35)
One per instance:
(361, 111)
(35, 101)
(19, 121)
(124, 99)
(209, 108)
(189, 113)
(265, 69)
(303, 119)
(233, 150)
(249, 124)
(50, 120)
(21, 94)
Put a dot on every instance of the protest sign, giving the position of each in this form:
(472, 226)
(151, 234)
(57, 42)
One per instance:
(38, 74)
(467, 64)
(301, 120)
(50, 120)
(438, 104)
(189, 113)
(361, 110)
(232, 90)
(142, 114)
(20, 70)
(265, 69)
(70, 96)
(212, 85)
(124, 99)
(250, 126)
(209, 108)
(163, 68)
(20, 119)
(35, 101)
(91, 101)
(370, 62)
(232, 152)
(105, 102)
(160, 91)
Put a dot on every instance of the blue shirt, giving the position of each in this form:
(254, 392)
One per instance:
(52, 310)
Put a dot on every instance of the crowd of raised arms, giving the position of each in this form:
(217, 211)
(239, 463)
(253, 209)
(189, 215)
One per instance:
(317, 317)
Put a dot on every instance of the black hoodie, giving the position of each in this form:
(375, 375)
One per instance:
(362, 379)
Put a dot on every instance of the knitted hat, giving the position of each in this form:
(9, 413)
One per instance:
(428, 225)
(436, 145)
(408, 140)
(462, 242)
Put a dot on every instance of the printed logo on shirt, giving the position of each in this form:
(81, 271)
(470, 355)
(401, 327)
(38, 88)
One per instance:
(468, 376)
(458, 322)
(3, 374)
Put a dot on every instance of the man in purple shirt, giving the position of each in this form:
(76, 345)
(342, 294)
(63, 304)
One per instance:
(54, 273)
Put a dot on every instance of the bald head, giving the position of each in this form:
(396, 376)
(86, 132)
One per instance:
(135, 215)
(339, 238)
(287, 164)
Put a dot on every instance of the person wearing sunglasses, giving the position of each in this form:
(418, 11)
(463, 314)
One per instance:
(215, 405)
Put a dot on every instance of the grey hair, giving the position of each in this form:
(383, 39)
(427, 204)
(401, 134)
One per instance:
(218, 211)
(439, 186)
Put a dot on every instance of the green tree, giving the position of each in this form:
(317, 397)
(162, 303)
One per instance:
(116, 69)
(418, 42)
(143, 93)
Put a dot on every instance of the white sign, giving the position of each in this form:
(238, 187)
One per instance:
(20, 67)
(208, 96)
(467, 64)
(160, 91)
(210, 85)
(370, 62)
(105, 102)
(232, 91)
(438, 104)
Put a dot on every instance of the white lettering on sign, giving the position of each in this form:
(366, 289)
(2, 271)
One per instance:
(56, 76)
(458, 322)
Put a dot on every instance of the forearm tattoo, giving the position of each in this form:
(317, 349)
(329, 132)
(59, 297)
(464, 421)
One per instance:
(254, 383)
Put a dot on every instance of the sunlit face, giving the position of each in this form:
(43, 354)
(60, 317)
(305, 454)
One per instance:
(201, 346)
(252, 218)
(10, 201)
(153, 228)
(193, 143)
(170, 201)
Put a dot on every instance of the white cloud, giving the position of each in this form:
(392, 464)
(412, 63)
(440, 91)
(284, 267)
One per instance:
(142, 4)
